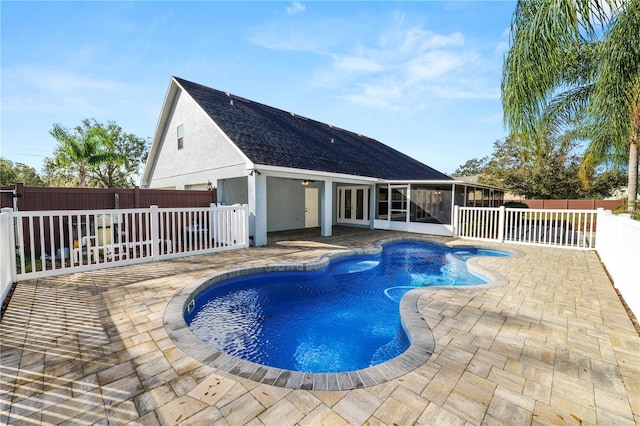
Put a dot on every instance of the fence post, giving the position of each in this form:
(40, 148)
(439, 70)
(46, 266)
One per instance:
(11, 241)
(245, 224)
(155, 232)
(501, 222)
(456, 220)
(136, 197)
(600, 226)
(214, 216)
(22, 199)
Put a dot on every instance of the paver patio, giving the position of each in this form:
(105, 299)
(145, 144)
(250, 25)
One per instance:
(553, 346)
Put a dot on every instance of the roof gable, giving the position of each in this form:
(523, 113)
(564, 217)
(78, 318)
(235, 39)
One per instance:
(274, 137)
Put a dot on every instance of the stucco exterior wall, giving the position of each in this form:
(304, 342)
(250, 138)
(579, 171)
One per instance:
(285, 204)
(207, 155)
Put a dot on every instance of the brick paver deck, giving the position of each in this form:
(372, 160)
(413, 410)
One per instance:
(553, 346)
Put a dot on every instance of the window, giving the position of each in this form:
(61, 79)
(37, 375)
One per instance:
(431, 204)
(180, 136)
(383, 202)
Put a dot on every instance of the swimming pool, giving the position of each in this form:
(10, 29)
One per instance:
(343, 317)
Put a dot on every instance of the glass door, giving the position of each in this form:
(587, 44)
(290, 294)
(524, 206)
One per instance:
(399, 201)
(353, 204)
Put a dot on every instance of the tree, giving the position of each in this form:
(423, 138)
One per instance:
(574, 67)
(55, 175)
(132, 149)
(472, 167)
(99, 155)
(549, 172)
(79, 149)
(11, 173)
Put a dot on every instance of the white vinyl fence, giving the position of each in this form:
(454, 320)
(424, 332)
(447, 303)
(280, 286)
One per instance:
(618, 245)
(50, 243)
(7, 254)
(616, 238)
(560, 228)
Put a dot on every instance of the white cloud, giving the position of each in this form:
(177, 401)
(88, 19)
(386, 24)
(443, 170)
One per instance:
(434, 65)
(274, 37)
(357, 64)
(296, 7)
(402, 64)
(407, 67)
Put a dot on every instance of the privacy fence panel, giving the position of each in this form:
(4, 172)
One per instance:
(574, 204)
(36, 198)
(619, 249)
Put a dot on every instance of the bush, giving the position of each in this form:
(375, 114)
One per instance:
(623, 210)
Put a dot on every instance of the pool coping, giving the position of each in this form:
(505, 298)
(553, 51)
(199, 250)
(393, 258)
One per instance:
(421, 336)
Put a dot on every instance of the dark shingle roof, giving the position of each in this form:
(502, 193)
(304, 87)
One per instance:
(274, 137)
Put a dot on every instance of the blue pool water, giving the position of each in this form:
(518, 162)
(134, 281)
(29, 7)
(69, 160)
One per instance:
(341, 318)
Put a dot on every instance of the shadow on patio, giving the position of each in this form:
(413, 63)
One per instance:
(553, 346)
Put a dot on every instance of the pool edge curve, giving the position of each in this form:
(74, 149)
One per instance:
(421, 336)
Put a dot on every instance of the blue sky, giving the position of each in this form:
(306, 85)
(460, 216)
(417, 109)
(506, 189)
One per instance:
(422, 77)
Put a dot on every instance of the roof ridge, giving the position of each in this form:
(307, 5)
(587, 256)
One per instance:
(273, 136)
(293, 114)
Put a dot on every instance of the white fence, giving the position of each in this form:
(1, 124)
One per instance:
(7, 254)
(560, 228)
(616, 238)
(50, 243)
(618, 245)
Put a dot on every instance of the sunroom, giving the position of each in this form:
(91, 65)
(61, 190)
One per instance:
(427, 207)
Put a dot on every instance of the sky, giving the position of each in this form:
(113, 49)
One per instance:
(422, 77)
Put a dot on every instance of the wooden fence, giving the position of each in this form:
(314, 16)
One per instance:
(36, 198)
(572, 204)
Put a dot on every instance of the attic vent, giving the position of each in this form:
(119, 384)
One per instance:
(332, 141)
(231, 102)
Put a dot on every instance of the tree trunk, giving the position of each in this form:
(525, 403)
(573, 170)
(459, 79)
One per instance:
(632, 187)
(81, 176)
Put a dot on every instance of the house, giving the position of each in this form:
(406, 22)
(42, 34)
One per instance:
(292, 171)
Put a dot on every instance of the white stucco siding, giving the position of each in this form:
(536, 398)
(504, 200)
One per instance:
(285, 204)
(207, 154)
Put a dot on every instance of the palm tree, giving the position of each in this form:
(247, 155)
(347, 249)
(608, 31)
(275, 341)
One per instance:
(575, 65)
(81, 149)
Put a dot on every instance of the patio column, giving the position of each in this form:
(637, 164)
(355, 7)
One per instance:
(326, 206)
(257, 198)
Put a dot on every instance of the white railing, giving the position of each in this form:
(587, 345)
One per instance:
(618, 245)
(50, 243)
(560, 228)
(7, 253)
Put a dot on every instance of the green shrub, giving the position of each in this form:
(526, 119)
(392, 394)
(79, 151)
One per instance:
(623, 210)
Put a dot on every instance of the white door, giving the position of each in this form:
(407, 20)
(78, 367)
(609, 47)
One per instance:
(353, 204)
(311, 207)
